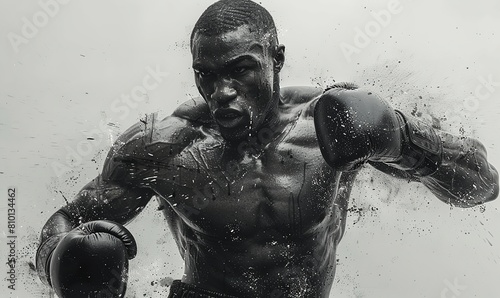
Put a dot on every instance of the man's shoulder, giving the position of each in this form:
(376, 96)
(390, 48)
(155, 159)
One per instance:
(154, 140)
(305, 97)
(152, 129)
(186, 118)
(305, 94)
(195, 111)
(296, 95)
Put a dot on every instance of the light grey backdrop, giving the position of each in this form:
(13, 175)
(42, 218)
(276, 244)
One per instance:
(63, 78)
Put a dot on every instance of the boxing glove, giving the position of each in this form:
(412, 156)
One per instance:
(92, 261)
(354, 126)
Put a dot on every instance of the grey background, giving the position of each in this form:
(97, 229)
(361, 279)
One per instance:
(60, 86)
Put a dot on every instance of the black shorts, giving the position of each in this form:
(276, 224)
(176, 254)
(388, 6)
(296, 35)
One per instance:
(178, 289)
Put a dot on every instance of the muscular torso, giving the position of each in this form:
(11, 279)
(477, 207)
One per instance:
(248, 221)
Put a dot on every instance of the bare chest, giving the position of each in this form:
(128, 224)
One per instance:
(237, 189)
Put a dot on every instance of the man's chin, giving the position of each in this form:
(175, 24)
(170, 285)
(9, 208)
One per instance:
(234, 134)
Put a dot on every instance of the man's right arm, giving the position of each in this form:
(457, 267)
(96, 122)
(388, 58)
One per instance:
(117, 198)
(124, 187)
(99, 199)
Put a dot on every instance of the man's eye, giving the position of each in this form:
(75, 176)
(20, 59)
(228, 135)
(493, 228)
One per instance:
(203, 73)
(240, 69)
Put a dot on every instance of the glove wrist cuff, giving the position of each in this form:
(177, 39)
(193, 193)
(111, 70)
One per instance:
(43, 256)
(421, 152)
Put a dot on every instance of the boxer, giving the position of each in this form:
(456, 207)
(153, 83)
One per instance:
(253, 179)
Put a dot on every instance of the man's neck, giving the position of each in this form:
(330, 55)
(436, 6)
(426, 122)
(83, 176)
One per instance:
(272, 128)
(273, 121)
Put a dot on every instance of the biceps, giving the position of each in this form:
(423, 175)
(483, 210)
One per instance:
(101, 199)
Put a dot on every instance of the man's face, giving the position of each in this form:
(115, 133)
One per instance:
(235, 73)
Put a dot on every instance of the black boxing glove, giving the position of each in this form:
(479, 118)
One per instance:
(355, 126)
(90, 260)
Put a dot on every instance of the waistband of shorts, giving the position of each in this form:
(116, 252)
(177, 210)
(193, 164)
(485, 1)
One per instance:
(178, 289)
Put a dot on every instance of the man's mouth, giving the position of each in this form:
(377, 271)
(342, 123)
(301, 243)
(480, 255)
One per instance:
(228, 118)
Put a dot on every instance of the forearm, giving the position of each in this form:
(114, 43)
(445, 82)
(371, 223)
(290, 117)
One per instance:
(55, 229)
(464, 178)
(454, 168)
(88, 205)
(58, 225)
(98, 200)
(355, 126)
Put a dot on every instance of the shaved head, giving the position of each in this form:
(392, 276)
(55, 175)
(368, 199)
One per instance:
(228, 15)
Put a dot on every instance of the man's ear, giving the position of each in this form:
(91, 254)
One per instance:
(279, 58)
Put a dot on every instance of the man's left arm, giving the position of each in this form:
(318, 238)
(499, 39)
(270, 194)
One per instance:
(355, 126)
(464, 178)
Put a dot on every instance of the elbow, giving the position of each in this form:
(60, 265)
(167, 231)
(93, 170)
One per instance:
(493, 193)
(488, 194)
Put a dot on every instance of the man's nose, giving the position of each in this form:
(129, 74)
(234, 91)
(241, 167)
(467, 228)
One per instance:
(224, 91)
